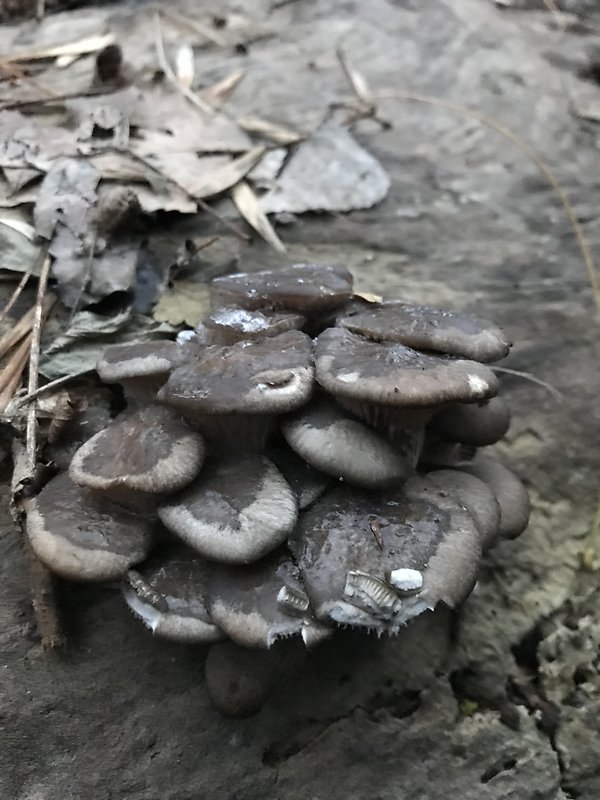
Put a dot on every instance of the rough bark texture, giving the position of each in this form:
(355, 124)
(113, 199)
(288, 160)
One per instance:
(502, 699)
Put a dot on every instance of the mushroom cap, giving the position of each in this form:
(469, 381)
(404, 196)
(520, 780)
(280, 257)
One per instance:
(260, 377)
(168, 593)
(509, 491)
(453, 332)
(136, 360)
(231, 325)
(307, 288)
(475, 424)
(306, 482)
(238, 510)
(472, 493)
(388, 373)
(260, 603)
(354, 549)
(84, 539)
(345, 448)
(151, 450)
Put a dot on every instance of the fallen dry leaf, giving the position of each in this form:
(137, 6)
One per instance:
(67, 195)
(219, 92)
(90, 44)
(221, 178)
(249, 207)
(329, 171)
(184, 66)
(270, 130)
(185, 303)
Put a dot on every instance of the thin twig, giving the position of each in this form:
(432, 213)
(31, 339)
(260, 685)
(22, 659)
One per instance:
(42, 582)
(557, 14)
(191, 24)
(490, 122)
(556, 394)
(15, 295)
(171, 76)
(12, 372)
(55, 384)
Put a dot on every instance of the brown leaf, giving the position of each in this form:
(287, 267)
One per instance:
(67, 195)
(187, 302)
(249, 207)
(276, 133)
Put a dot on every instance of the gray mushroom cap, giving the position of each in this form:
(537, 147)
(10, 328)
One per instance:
(261, 377)
(168, 593)
(423, 328)
(306, 482)
(84, 539)
(333, 442)
(472, 493)
(475, 424)
(510, 493)
(306, 288)
(231, 325)
(376, 560)
(238, 510)
(387, 373)
(149, 452)
(136, 360)
(263, 602)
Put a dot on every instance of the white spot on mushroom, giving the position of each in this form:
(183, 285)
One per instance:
(406, 580)
(348, 377)
(477, 384)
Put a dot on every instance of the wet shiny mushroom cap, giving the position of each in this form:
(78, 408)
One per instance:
(82, 538)
(259, 377)
(423, 328)
(258, 604)
(231, 325)
(391, 374)
(168, 593)
(238, 510)
(136, 360)
(331, 441)
(151, 451)
(376, 560)
(305, 288)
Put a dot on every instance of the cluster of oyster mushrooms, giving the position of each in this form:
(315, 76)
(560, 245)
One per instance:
(304, 460)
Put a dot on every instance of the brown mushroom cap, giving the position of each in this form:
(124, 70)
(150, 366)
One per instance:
(168, 593)
(475, 424)
(345, 448)
(84, 539)
(148, 452)
(261, 377)
(231, 325)
(376, 560)
(306, 288)
(387, 373)
(423, 328)
(260, 603)
(238, 510)
(510, 493)
(306, 482)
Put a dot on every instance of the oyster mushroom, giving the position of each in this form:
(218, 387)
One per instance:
(377, 560)
(168, 593)
(140, 457)
(232, 392)
(304, 288)
(306, 482)
(238, 510)
(261, 603)
(231, 325)
(471, 492)
(475, 424)
(510, 493)
(84, 539)
(140, 367)
(333, 442)
(423, 328)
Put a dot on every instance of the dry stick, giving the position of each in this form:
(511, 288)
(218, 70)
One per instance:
(15, 295)
(13, 371)
(55, 384)
(41, 580)
(166, 68)
(192, 24)
(490, 122)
